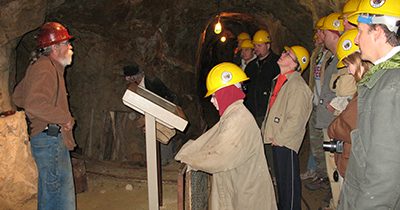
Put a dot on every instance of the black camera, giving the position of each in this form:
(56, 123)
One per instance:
(333, 146)
(53, 130)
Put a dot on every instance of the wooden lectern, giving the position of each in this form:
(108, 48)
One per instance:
(155, 109)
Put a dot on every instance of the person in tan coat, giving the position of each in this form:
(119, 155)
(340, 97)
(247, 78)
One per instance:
(232, 150)
(284, 126)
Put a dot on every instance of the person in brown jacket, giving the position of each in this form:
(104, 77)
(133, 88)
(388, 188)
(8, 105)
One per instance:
(43, 96)
(340, 128)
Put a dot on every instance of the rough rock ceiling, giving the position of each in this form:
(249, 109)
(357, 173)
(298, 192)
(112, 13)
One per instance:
(164, 37)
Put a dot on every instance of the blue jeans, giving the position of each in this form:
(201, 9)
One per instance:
(55, 185)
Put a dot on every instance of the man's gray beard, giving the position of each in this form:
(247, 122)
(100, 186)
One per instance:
(68, 60)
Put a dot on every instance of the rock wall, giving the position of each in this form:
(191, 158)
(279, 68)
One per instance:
(16, 19)
(162, 36)
(18, 173)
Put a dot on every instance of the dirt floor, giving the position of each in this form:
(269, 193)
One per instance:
(113, 187)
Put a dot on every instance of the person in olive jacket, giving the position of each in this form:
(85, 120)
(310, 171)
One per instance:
(372, 174)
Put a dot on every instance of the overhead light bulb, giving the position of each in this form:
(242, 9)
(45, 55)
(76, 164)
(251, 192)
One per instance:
(218, 27)
(223, 39)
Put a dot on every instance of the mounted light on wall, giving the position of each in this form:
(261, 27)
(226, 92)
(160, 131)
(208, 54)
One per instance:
(223, 38)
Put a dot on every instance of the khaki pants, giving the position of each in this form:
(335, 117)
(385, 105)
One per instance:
(330, 168)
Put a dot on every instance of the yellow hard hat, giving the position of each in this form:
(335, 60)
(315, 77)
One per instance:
(386, 12)
(379, 7)
(352, 19)
(346, 46)
(320, 23)
(247, 44)
(223, 75)
(243, 36)
(349, 8)
(261, 36)
(332, 22)
(302, 55)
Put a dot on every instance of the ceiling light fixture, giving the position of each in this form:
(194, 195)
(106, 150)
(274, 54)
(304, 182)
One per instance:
(218, 27)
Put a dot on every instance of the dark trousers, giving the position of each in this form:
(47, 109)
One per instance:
(286, 164)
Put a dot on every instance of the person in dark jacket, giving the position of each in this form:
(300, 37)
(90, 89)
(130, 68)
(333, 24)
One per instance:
(133, 74)
(261, 72)
(237, 53)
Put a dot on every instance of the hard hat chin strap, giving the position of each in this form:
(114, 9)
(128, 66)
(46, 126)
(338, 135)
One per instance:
(391, 22)
(238, 85)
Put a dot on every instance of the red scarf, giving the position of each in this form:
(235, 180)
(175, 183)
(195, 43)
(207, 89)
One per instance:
(227, 96)
(279, 83)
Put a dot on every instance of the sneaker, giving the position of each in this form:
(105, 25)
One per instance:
(309, 174)
(319, 183)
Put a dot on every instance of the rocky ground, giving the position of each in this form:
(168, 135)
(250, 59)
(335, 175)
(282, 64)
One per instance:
(117, 188)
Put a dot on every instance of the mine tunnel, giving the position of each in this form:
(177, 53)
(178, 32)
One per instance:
(174, 44)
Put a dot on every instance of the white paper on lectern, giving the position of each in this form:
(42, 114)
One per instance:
(165, 112)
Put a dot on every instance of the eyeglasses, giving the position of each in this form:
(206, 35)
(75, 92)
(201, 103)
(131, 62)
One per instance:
(66, 43)
(286, 52)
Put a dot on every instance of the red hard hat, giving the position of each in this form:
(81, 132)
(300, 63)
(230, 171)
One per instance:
(52, 33)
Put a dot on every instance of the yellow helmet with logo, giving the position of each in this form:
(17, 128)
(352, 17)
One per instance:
(349, 8)
(386, 12)
(379, 7)
(243, 36)
(346, 46)
(352, 19)
(320, 23)
(261, 36)
(223, 75)
(332, 22)
(247, 44)
(302, 55)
